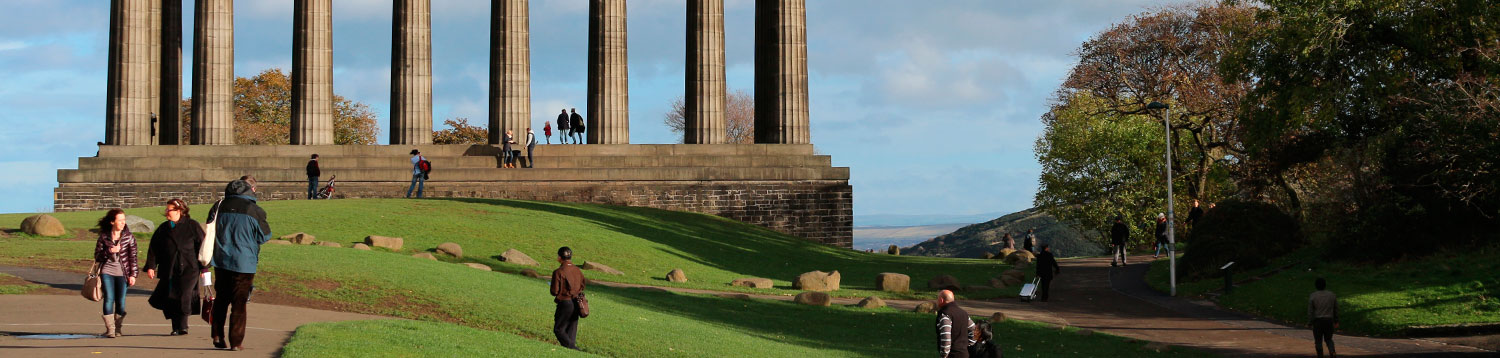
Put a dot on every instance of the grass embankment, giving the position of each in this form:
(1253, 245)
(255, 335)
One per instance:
(1381, 300)
(11, 285)
(626, 322)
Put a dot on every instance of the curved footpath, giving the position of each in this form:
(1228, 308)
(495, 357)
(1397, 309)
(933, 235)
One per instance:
(1087, 295)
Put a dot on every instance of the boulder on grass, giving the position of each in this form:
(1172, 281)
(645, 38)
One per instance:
(425, 255)
(813, 299)
(451, 249)
(997, 317)
(530, 273)
(892, 282)
(43, 225)
(752, 282)
(997, 283)
(1011, 281)
(139, 224)
(677, 276)
(1020, 256)
(392, 243)
(517, 257)
(361, 246)
(1018, 274)
(329, 244)
(300, 238)
(595, 266)
(817, 281)
(944, 282)
(279, 242)
(1004, 253)
(925, 307)
(871, 302)
(478, 266)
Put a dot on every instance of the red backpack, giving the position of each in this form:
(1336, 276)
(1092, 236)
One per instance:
(424, 165)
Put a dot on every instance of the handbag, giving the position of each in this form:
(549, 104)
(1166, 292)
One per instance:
(583, 305)
(206, 252)
(92, 286)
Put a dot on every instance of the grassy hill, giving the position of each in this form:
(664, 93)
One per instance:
(975, 240)
(468, 312)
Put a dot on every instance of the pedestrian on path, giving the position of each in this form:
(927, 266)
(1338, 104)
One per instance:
(115, 253)
(1323, 309)
(984, 343)
(567, 284)
(312, 177)
(1046, 268)
(172, 259)
(241, 230)
(953, 321)
(1161, 235)
(1118, 234)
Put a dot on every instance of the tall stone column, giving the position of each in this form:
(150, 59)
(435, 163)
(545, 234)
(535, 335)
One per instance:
(213, 72)
(510, 70)
(411, 72)
(312, 72)
(781, 104)
(168, 124)
(705, 122)
(154, 88)
(609, 87)
(128, 106)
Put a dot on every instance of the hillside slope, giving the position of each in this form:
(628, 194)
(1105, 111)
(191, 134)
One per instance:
(975, 240)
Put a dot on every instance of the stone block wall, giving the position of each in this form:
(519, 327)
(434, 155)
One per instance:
(820, 210)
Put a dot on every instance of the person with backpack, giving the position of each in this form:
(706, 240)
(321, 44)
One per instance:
(547, 131)
(1117, 236)
(567, 286)
(312, 177)
(564, 129)
(418, 176)
(530, 148)
(953, 321)
(984, 342)
(577, 126)
(241, 228)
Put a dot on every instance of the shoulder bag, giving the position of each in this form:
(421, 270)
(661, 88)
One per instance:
(582, 304)
(206, 252)
(91, 284)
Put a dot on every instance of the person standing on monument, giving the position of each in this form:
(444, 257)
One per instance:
(547, 131)
(564, 129)
(115, 254)
(953, 321)
(578, 127)
(417, 179)
(508, 158)
(1046, 269)
(567, 284)
(313, 172)
(241, 230)
(173, 260)
(530, 148)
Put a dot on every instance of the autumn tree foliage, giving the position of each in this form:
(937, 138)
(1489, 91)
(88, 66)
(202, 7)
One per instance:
(739, 115)
(263, 113)
(461, 132)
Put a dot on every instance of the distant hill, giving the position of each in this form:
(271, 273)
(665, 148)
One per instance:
(897, 220)
(975, 240)
(879, 238)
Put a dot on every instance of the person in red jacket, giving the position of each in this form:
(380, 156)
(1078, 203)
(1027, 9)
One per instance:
(547, 131)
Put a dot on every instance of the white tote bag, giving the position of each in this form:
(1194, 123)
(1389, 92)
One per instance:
(206, 253)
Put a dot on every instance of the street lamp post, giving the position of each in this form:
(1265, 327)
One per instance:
(1166, 119)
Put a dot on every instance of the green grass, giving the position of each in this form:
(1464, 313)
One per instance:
(400, 338)
(1379, 300)
(643, 243)
(17, 288)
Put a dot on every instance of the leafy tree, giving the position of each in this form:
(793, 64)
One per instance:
(461, 132)
(739, 115)
(263, 113)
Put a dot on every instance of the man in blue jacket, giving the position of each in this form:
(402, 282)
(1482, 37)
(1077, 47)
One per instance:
(241, 229)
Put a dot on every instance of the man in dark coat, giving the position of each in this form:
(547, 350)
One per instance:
(578, 127)
(1117, 236)
(312, 177)
(173, 260)
(242, 229)
(955, 331)
(567, 286)
(1194, 215)
(564, 126)
(1046, 268)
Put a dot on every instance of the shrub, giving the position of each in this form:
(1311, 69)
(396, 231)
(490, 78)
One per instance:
(1248, 233)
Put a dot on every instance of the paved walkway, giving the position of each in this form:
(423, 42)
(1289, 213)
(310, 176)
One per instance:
(146, 330)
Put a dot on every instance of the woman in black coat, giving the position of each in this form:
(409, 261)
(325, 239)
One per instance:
(173, 260)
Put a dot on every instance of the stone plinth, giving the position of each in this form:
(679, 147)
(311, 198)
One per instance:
(128, 106)
(781, 105)
(608, 88)
(510, 70)
(312, 72)
(213, 72)
(411, 73)
(705, 93)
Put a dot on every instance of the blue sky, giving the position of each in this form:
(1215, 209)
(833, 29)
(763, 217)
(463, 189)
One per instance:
(934, 105)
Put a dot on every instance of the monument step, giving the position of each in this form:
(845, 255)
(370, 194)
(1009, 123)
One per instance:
(331, 163)
(303, 151)
(65, 176)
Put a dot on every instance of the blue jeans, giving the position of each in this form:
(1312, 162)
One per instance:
(114, 294)
(1161, 245)
(312, 187)
(417, 182)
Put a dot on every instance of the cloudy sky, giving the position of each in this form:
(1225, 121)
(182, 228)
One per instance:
(934, 105)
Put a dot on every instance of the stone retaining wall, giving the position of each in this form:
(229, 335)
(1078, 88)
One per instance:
(821, 211)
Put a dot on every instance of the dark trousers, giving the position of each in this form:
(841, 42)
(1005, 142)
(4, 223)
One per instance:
(565, 323)
(232, 291)
(1045, 288)
(180, 322)
(1323, 332)
(312, 187)
(1119, 253)
(530, 163)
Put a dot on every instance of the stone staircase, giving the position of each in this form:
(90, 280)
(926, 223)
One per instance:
(785, 187)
